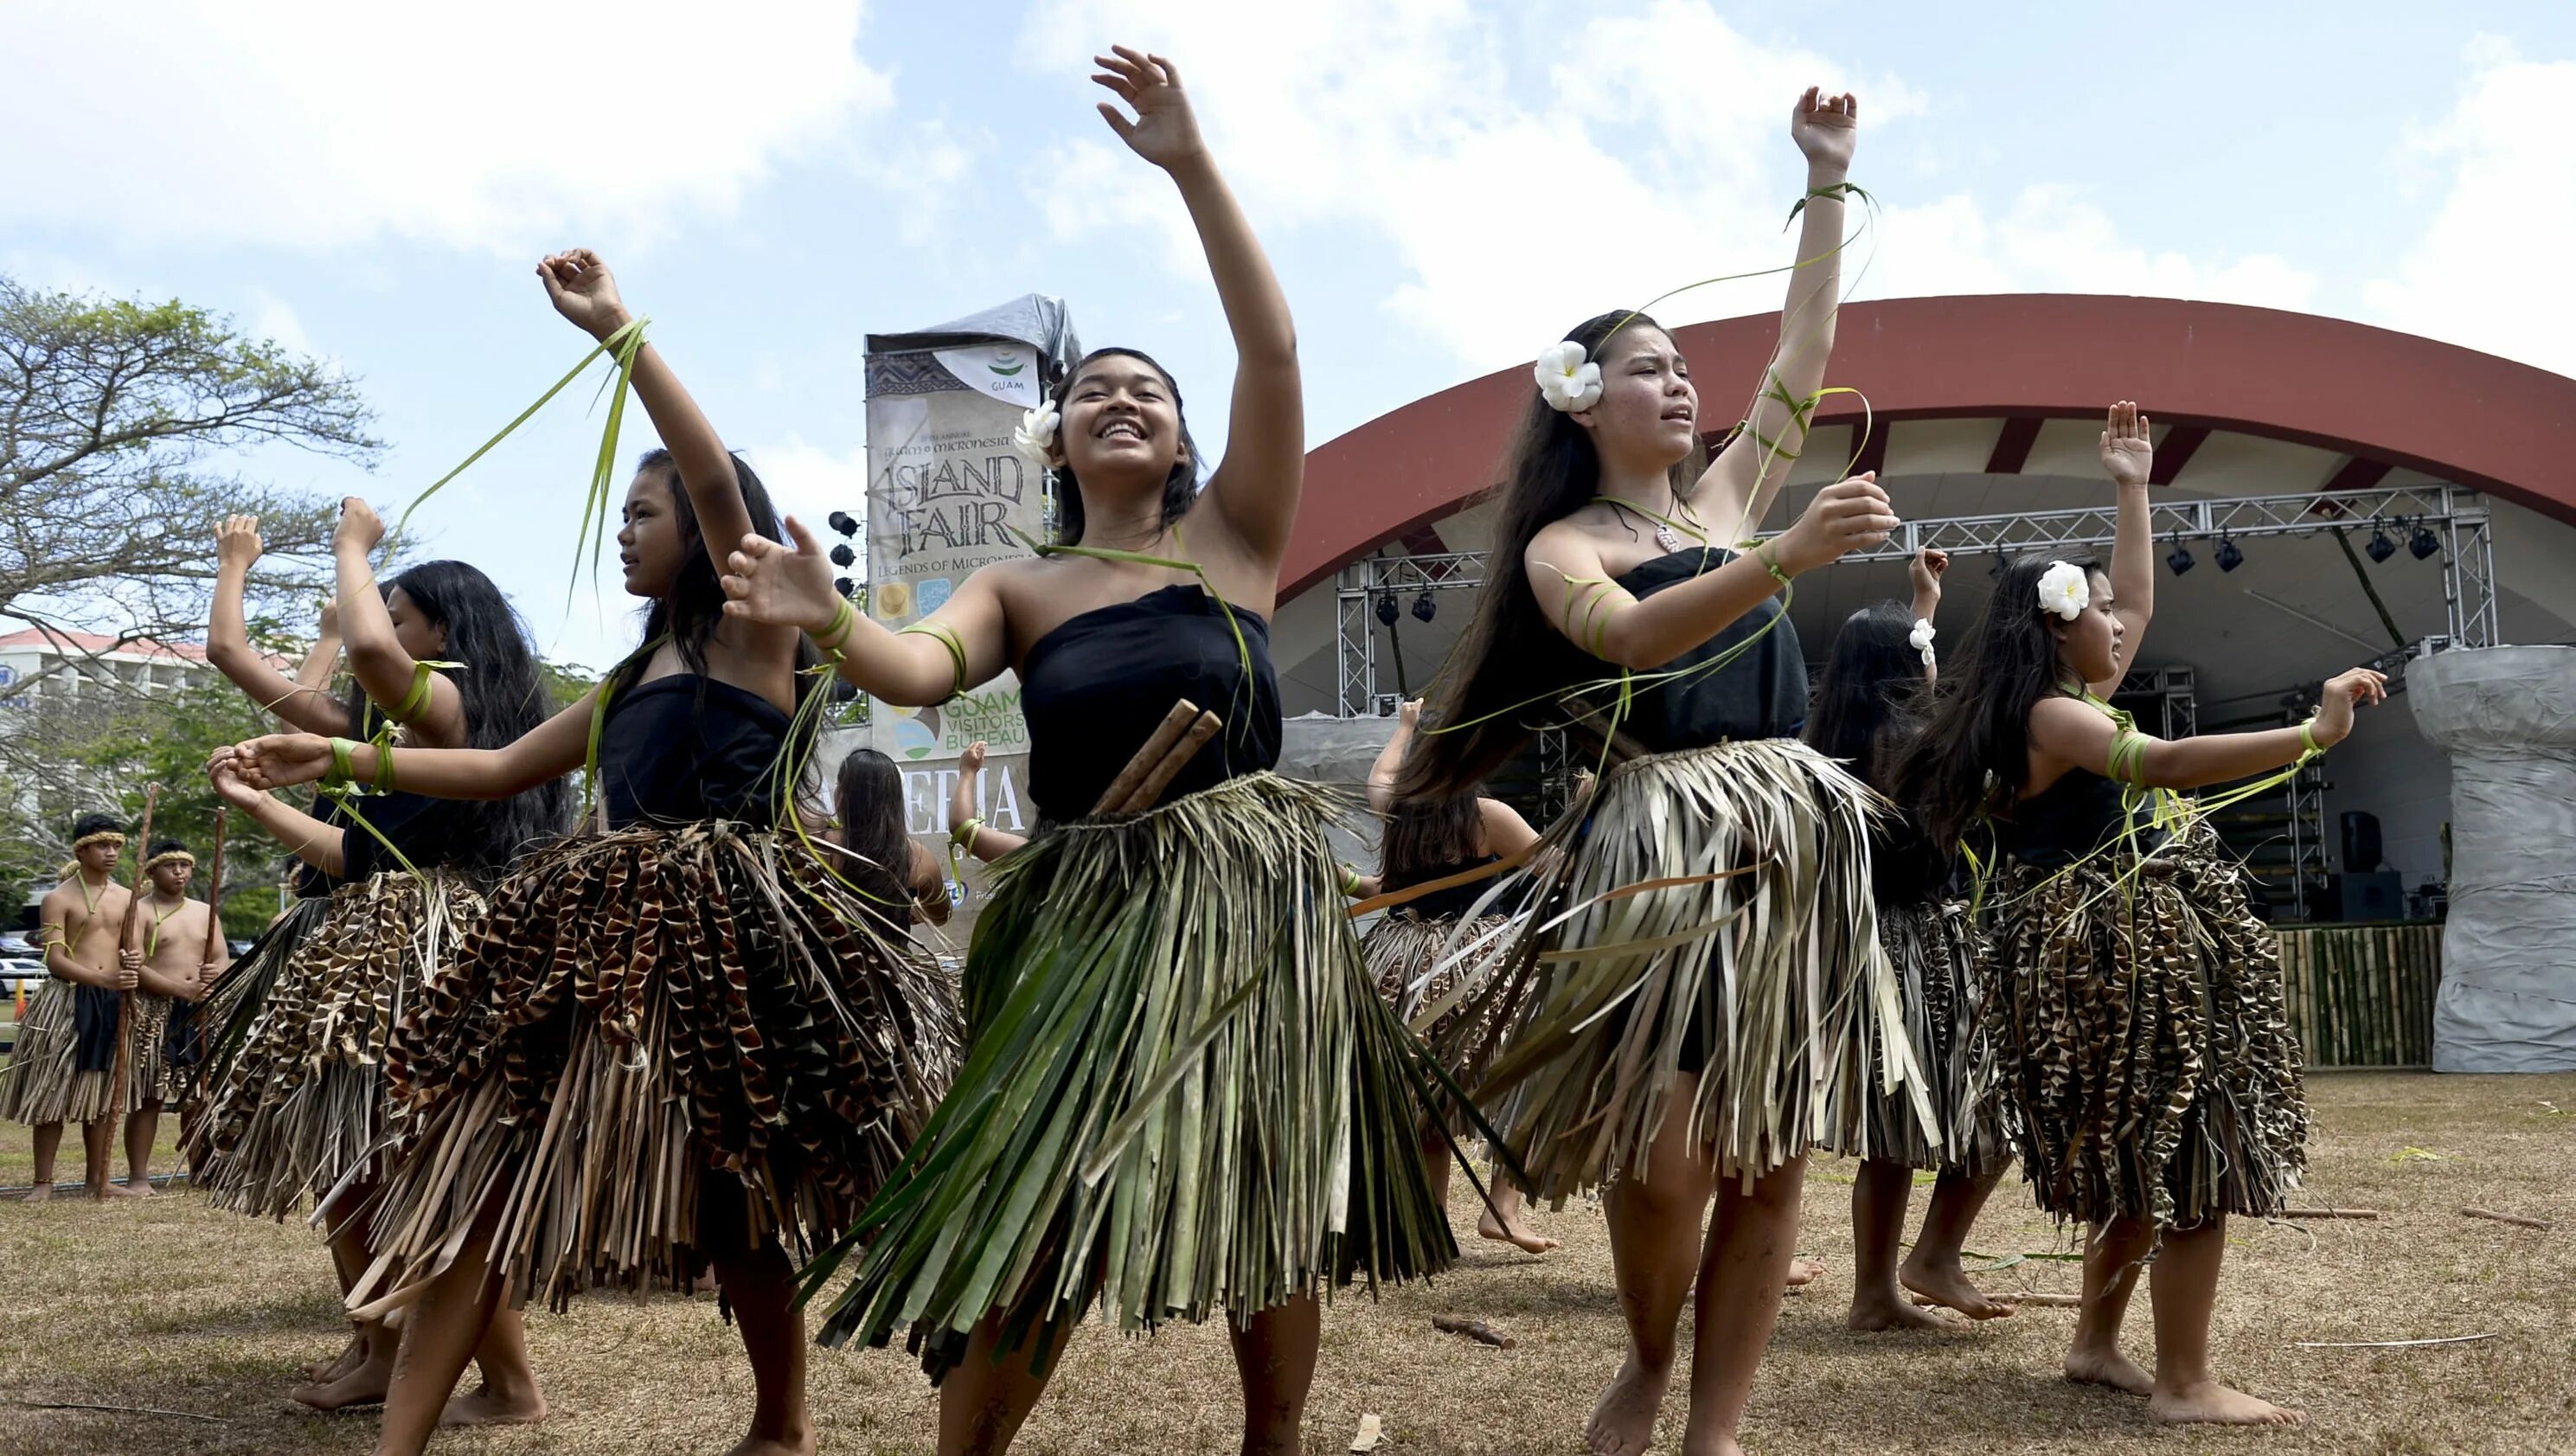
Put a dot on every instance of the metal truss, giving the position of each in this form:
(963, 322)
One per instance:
(2458, 517)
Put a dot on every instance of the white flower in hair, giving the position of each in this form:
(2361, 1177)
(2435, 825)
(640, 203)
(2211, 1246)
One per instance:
(1920, 639)
(2064, 590)
(1568, 379)
(1036, 432)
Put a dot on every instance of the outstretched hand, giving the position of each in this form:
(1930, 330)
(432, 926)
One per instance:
(1165, 131)
(1849, 515)
(582, 289)
(2344, 692)
(1826, 128)
(225, 774)
(237, 542)
(359, 526)
(1925, 570)
(767, 582)
(2128, 454)
(278, 761)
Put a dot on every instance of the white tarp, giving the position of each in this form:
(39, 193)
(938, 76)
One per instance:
(2507, 717)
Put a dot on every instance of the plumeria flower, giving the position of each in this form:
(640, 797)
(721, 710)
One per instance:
(2064, 590)
(1035, 434)
(1567, 379)
(1920, 639)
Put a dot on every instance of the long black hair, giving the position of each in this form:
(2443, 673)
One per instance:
(504, 698)
(1427, 838)
(691, 611)
(1974, 751)
(1510, 653)
(1179, 488)
(1869, 703)
(867, 799)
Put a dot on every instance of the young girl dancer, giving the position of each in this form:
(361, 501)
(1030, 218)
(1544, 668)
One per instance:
(297, 1101)
(1182, 1095)
(677, 1041)
(1868, 706)
(2153, 1077)
(900, 876)
(1675, 1042)
(1423, 841)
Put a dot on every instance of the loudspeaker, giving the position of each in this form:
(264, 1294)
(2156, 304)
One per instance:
(2376, 895)
(2360, 842)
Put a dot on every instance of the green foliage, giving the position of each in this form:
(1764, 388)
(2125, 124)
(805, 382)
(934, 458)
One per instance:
(166, 739)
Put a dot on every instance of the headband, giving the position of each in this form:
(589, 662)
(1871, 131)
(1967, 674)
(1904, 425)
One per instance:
(99, 836)
(167, 856)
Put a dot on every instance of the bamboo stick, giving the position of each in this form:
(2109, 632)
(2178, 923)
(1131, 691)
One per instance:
(1174, 760)
(1476, 1330)
(2035, 1301)
(2517, 1220)
(1148, 757)
(2329, 1213)
(124, 1065)
(215, 899)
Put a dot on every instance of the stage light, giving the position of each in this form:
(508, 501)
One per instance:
(2229, 558)
(2179, 559)
(842, 522)
(1424, 608)
(2380, 547)
(1387, 610)
(842, 555)
(846, 587)
(2425, 542)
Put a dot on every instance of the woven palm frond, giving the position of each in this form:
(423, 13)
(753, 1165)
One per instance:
(45, 1081)
(1929, 944)
(659, 1044)
(2147, 1055)
(1182, 1092)
(296, 1096)
(1707, 909)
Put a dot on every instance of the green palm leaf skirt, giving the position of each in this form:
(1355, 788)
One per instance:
(1181, 1093)
(2147, 1055)
(1932, 947)
(662, 1045)
(1421, 963)
(1708, 913)
(296, 1098)
(45, 1081)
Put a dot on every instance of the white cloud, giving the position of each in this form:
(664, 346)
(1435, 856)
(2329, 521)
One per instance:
(2503, 168)
(1528, 178)
(479, 124)
(273, 319)
(810, 482)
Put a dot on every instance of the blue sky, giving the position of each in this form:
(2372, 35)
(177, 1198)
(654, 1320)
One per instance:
(1443, 186)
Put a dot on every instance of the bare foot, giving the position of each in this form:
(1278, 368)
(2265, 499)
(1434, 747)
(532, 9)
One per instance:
(1946, 1284)
(41, 1193)
(1803, 1270)
(340, 1364)
(1623, 1421)
(132, 1188)
(2111, 1368)
(483, 1408)
(364, 1385)
(1889, 1309)
(1515, 1234)
(2210, 1403)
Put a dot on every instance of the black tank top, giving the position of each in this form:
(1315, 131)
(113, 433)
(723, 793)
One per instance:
(684, 748)
(1762, 694)
(1446, 904)
(1903, 869)
(1095, 689)
(2068, 820)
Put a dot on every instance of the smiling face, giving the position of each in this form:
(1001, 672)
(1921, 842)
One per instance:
(423, 639)
(1648, 415)
(649, 545)
(1122, 426)
(2089, 646)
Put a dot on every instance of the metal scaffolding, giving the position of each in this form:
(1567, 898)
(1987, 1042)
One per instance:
(2457, 517)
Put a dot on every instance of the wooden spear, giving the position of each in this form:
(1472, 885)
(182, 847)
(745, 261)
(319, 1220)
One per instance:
(125, 936)
(214, 899)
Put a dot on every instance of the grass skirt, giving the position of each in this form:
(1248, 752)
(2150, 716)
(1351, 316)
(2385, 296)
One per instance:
(45, 1083)
(1933, 950)
(1708, 911)
(2147, 1054)
(662, 1045)
(1181, 1093)
(1420, 963)
(295, 1081)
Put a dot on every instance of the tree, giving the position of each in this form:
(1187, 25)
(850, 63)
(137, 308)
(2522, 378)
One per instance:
(112, 417)
(165, 739)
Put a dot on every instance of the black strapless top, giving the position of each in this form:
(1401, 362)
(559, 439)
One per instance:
(1446, 904)
(1095, 689)
(1762, 694)
(2068, 820)
(684, 748)
(428, 831)
(1903, 869)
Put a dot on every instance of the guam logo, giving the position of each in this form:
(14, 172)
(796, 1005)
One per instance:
(1006, 364)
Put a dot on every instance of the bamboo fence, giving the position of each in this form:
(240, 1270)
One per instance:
(2362, 995)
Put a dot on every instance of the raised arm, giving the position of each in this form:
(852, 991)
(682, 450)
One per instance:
(2128, 455)
(389, 673)
(1255, 491)
(544, 753)
(228, 646)
(1390, 759)
(323, 658)
(1925, 572)
(1574, 588)
(767, 582)
(1745, 478)
(305, 837)
(983, 841)
(928, 884)
(2078, 735)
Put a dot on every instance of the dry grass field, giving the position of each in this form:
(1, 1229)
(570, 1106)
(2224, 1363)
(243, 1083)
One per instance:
(164, 1303)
